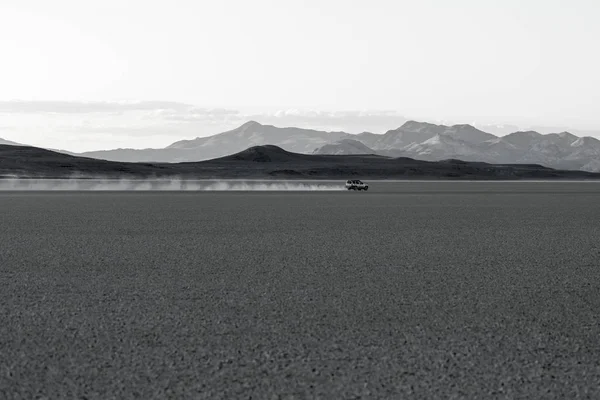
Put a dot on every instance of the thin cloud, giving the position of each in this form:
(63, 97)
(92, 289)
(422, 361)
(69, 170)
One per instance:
(95, 125)
(79, 107)
(352, 121)
(195, 114)
(162, 112)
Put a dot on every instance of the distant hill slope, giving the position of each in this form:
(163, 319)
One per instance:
(558, 150)
(421, 140)
(9, 143)
(262, 162)
(37, 162)
(413, 132)
(249, 134)
(253, 133)
(345, 146)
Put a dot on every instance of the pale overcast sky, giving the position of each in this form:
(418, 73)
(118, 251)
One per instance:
(196, 67)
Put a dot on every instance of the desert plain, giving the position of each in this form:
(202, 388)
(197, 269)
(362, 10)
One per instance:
(410, 290)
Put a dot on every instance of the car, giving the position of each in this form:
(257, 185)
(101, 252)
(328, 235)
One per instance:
(355, 184)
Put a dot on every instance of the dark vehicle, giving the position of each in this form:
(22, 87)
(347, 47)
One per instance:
(356, 185)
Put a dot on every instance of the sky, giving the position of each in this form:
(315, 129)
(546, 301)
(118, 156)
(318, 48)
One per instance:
(83, 75)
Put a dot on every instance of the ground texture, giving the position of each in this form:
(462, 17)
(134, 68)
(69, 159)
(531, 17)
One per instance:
(411, 290)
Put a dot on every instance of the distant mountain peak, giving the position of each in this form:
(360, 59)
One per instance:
(412, 125)
(465, 127)
(250, 124)
(525, 133)
(567, 135)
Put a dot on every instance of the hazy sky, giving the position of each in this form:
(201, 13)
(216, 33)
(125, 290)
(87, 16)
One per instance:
(200, 66)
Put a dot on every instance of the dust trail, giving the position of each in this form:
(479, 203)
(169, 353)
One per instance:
(16, 184)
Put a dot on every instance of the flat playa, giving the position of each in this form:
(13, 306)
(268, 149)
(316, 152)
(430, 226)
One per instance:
(421, 289)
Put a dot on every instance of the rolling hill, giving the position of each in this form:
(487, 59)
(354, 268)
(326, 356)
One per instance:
(268, 161)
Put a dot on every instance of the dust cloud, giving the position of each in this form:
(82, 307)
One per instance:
(17, 184)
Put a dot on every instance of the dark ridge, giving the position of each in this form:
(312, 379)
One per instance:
(285, 172)
(36, 162)
(265, 153)
(269, 161)
(408, 159)
(271, 154)
(454, 161)
(530, 166)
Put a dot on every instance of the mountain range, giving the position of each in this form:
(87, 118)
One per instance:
(267, 162)
(417, 140)
(437, 142)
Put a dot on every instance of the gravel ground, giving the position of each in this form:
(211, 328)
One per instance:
(420, 290)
